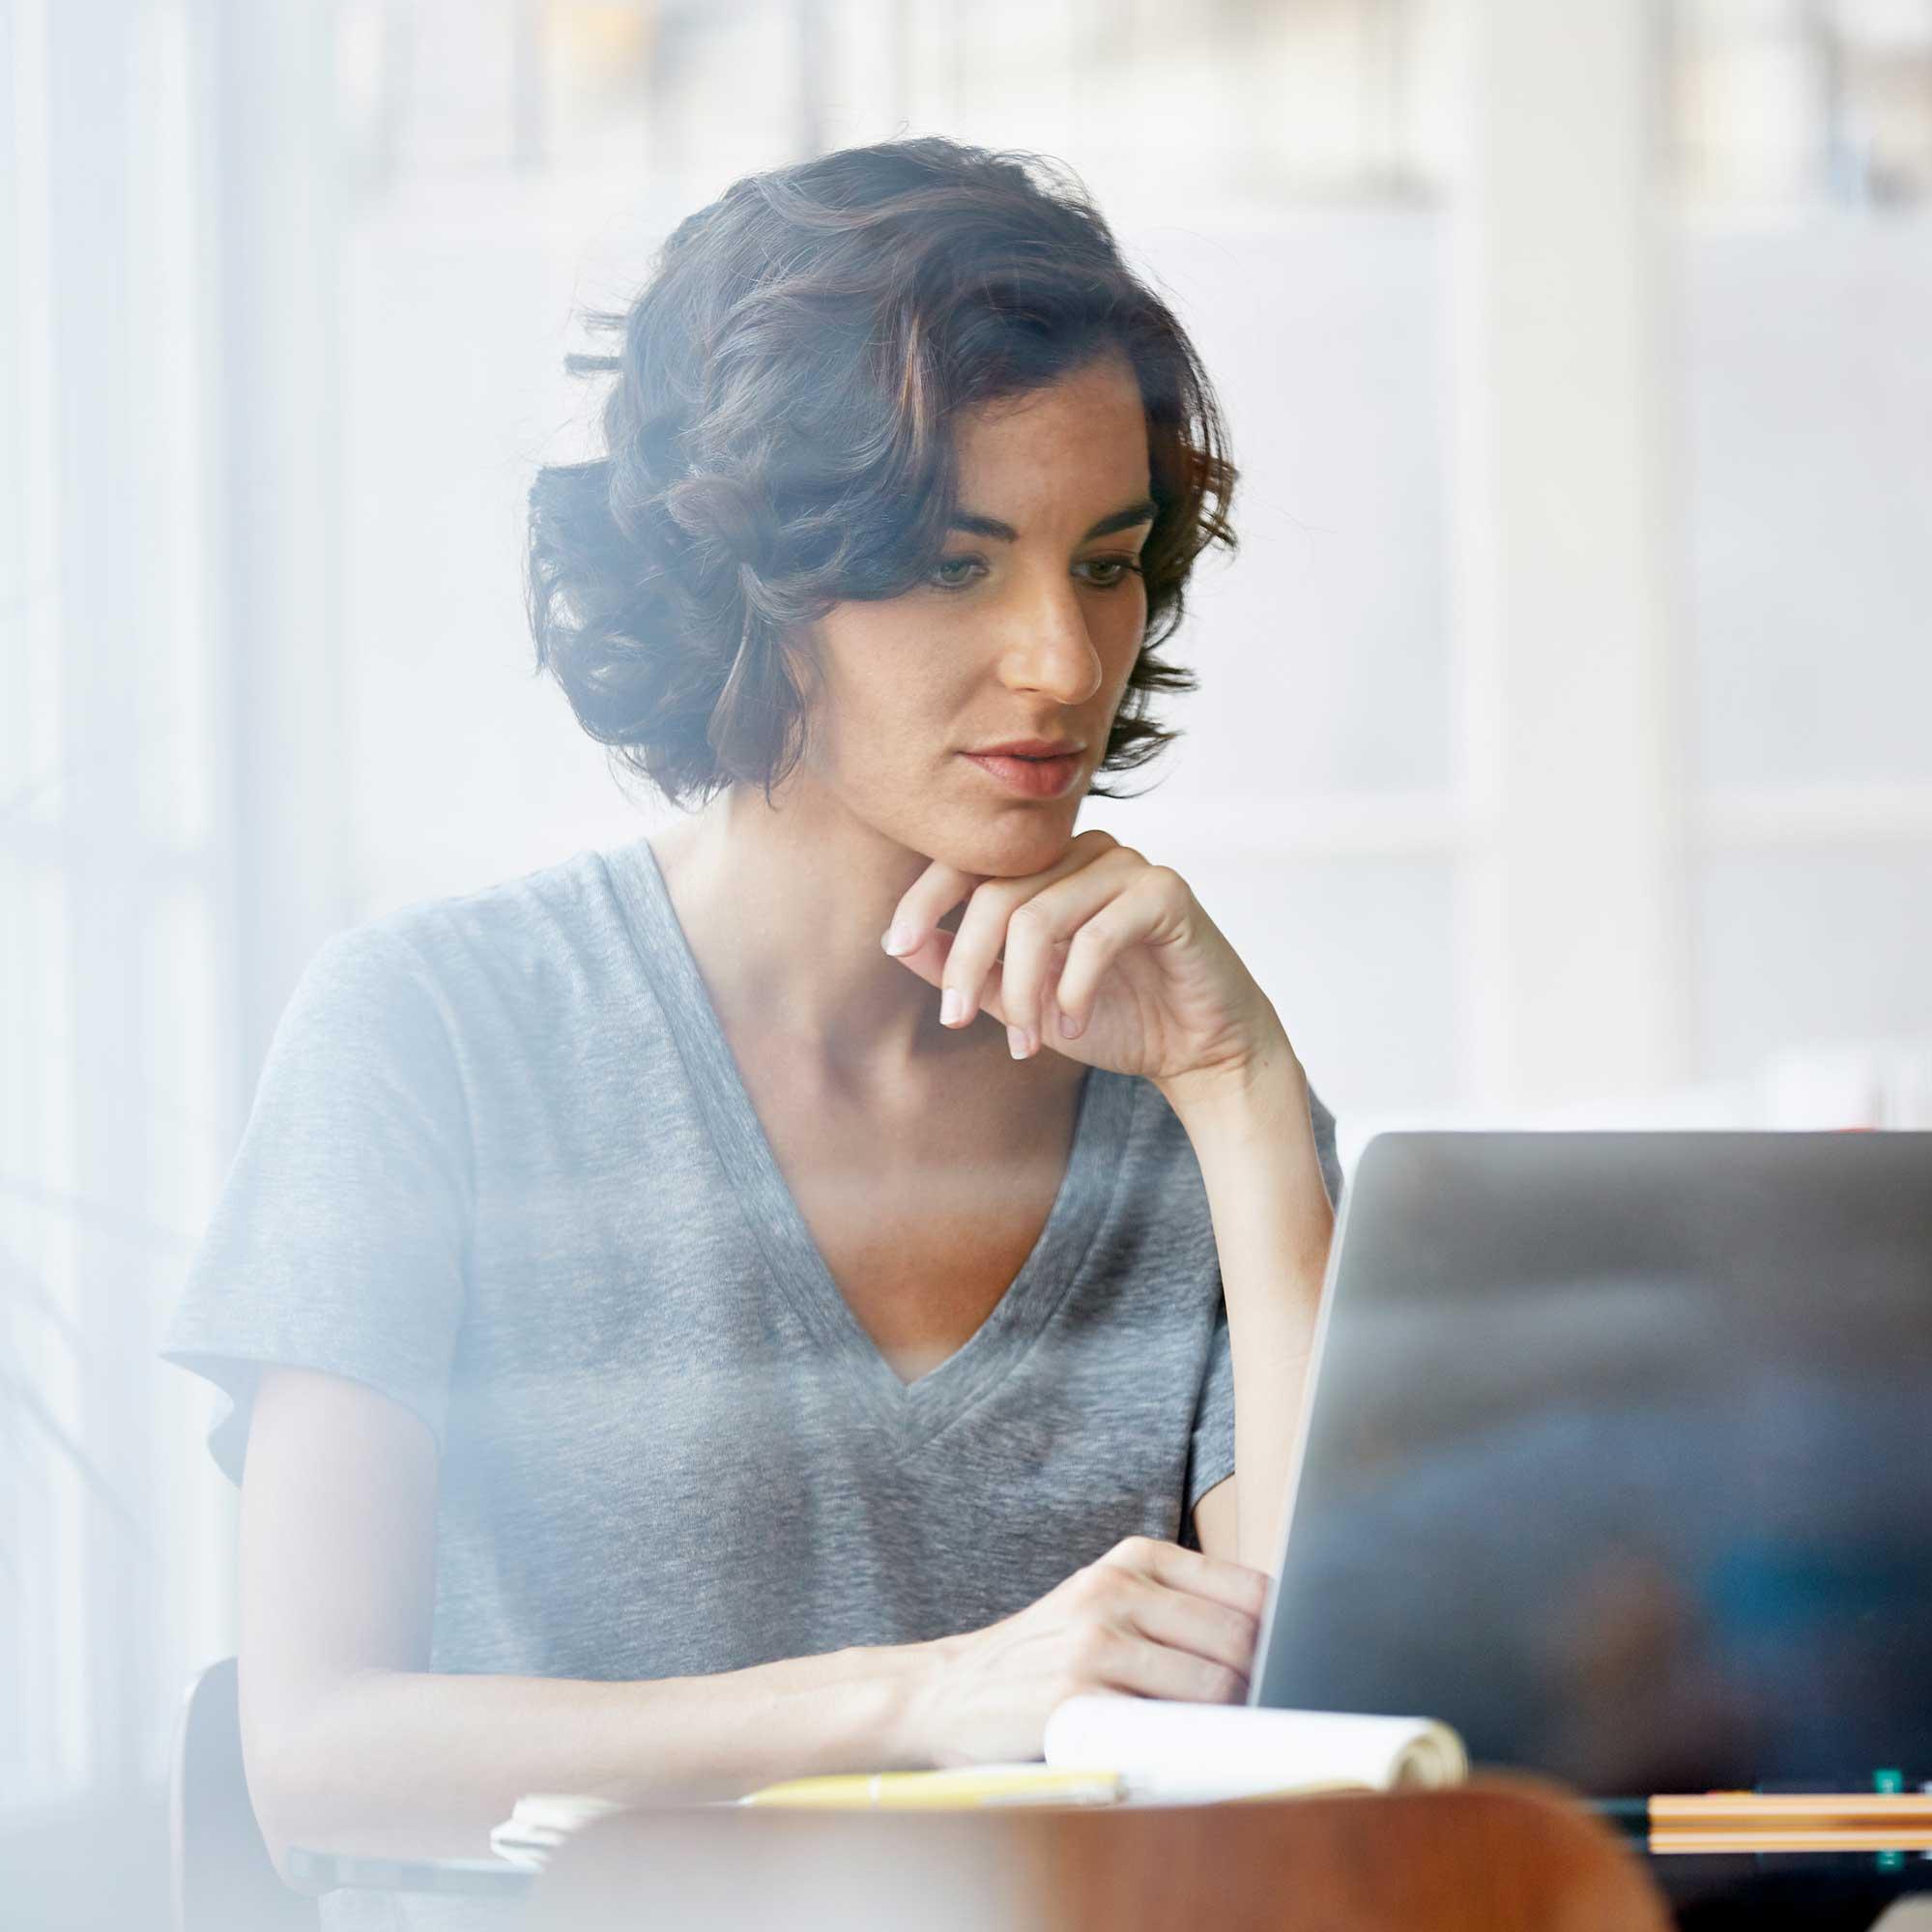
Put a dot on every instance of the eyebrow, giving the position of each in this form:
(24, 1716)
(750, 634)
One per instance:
(975, 525)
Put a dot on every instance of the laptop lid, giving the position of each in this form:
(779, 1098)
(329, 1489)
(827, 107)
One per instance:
(1619, 1456)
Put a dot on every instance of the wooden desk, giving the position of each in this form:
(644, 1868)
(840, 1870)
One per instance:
(1492, 1857)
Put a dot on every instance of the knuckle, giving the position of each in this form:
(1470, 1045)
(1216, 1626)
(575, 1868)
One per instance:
(1088, 1587)
(1135, 1550)
(1223, 1685)
(1243, 1632)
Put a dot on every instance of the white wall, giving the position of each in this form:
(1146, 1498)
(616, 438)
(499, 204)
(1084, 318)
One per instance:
(1809, 443)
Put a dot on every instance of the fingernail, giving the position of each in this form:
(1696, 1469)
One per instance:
(952, 1004)
(1017, 1043)
(1069, 1026)
(899, 939)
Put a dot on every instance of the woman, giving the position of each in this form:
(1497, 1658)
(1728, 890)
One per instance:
(703, 1312)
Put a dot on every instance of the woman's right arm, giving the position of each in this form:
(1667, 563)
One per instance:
(352, 1744)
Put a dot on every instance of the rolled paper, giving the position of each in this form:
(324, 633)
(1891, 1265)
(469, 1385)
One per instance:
(1187, 1752)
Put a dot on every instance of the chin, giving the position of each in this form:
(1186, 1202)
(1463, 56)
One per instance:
(1006, 844)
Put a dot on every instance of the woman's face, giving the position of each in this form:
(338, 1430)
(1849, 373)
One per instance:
(1023, 636)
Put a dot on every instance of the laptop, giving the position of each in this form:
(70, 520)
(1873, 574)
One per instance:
(1619, 1457)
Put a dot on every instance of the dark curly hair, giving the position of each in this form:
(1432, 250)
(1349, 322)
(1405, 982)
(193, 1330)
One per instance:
(778, 441)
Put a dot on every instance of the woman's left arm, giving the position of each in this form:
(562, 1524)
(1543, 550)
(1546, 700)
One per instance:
(1272, 1223)
(1111, 961)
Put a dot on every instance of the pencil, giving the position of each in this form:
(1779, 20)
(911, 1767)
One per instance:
(1746, 1821)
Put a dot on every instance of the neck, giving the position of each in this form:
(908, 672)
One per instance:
(784, 904)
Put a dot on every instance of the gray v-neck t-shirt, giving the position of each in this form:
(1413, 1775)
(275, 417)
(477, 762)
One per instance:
(502, 1168)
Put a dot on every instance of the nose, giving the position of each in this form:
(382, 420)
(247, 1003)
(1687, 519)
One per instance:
(1048, 650)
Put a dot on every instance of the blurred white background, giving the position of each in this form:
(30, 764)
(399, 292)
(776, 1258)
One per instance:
(1563, 751)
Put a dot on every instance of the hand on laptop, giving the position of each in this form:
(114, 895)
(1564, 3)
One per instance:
(1148, 1619)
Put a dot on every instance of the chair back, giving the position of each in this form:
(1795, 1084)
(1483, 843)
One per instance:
(222, 1878)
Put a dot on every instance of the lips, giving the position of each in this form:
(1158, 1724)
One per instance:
(1029, 748)
(1032, 767)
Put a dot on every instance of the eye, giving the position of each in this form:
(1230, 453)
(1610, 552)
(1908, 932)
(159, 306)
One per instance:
(940, 576)
(1119, 567)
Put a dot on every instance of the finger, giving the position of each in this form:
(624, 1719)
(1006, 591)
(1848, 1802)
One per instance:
(928, 960)
(1193, 1571)
(981, 933)
(1182, 1620)
(941, 886)
(1150, 1669)
(924, 903)
(1139, 913)
(928, 956)
(1028, 976)
(975, 949)
(1039, 930)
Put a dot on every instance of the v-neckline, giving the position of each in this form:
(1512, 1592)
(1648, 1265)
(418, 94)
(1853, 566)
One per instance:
(929, 1402)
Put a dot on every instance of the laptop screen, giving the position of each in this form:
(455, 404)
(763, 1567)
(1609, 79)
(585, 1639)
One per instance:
(1620, 1457)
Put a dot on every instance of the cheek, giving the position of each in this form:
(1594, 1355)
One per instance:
(1119, 640)
(883, 708)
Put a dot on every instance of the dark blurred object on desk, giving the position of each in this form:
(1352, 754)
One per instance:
(1500, 1857)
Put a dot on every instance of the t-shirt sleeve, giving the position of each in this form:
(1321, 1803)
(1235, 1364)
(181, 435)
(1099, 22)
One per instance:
(1211, 1452)
(337, 1242)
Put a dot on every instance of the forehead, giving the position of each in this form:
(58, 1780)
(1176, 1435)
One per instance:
(1080, 438)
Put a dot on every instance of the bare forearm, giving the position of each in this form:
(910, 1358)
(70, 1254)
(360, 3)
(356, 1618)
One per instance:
(403, 1761)
(1272, 1226)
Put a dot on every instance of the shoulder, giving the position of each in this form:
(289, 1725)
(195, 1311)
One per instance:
(539, 921)
(506, 954)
